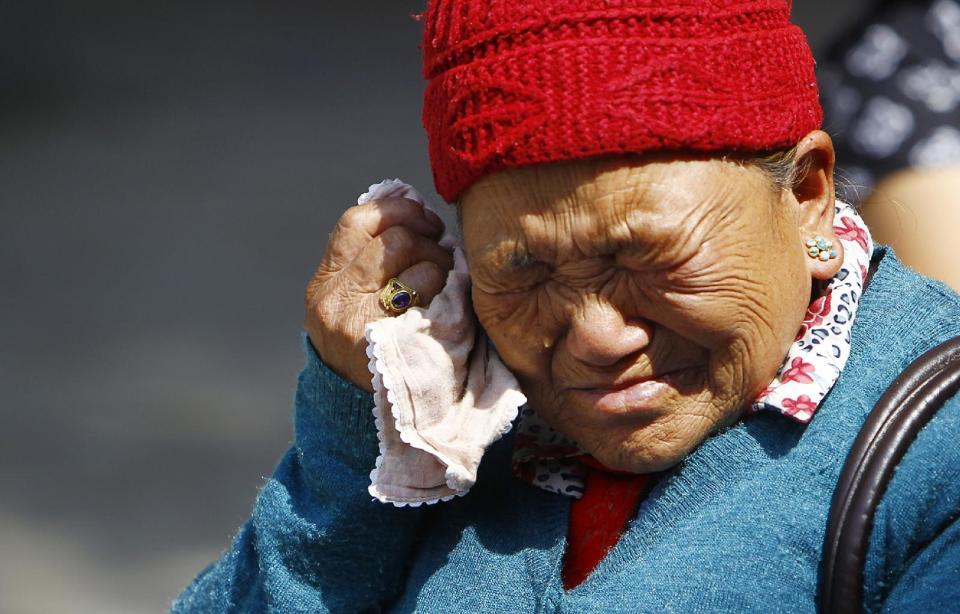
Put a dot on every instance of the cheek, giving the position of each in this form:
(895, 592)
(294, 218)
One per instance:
(711, 306)
(519, 327)
(761, 328)
(744, 310)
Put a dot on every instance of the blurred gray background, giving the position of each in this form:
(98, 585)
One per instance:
(168, 176)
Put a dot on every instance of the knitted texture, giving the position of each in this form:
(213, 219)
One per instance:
(517, 83)
(598, 518)
(737, 527)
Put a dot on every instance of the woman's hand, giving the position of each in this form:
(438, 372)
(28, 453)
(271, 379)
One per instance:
(391, 237)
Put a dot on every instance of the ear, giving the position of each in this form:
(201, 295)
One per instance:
(814, 194)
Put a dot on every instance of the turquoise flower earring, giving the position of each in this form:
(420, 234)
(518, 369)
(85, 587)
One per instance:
(821, 249)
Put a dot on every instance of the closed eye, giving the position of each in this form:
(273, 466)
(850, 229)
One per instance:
(517, 280)
(520, 260)
(509, 269)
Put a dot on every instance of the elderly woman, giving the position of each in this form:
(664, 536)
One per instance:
(698, 327)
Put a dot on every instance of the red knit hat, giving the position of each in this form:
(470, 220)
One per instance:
(519, 82)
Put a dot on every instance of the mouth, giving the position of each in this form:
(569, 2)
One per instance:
(644, 396)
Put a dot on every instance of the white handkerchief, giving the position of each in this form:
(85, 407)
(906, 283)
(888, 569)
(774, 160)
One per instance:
(441, 393)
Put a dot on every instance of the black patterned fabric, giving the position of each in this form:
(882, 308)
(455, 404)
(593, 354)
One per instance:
(890, 88)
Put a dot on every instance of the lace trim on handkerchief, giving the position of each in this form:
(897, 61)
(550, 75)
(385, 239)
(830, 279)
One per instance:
(441, 393)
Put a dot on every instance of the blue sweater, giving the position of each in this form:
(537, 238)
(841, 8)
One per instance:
(737, 527)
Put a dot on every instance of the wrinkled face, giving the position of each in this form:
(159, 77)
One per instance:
(642, 303)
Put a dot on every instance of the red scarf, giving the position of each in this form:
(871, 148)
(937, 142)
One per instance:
(598, 518)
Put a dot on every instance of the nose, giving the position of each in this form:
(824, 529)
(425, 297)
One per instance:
(600, 336)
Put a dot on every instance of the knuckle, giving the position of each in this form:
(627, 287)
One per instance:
(385, 202)
(397, 240)
(352, 217)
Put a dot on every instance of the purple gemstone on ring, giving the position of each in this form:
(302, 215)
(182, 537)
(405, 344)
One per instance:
(401, 300)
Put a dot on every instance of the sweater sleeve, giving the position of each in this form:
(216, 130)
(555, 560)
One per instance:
(317, 541)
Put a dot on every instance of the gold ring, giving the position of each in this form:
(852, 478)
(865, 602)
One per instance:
(396, 297)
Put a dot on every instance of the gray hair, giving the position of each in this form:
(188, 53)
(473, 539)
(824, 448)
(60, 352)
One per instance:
(782, 167)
